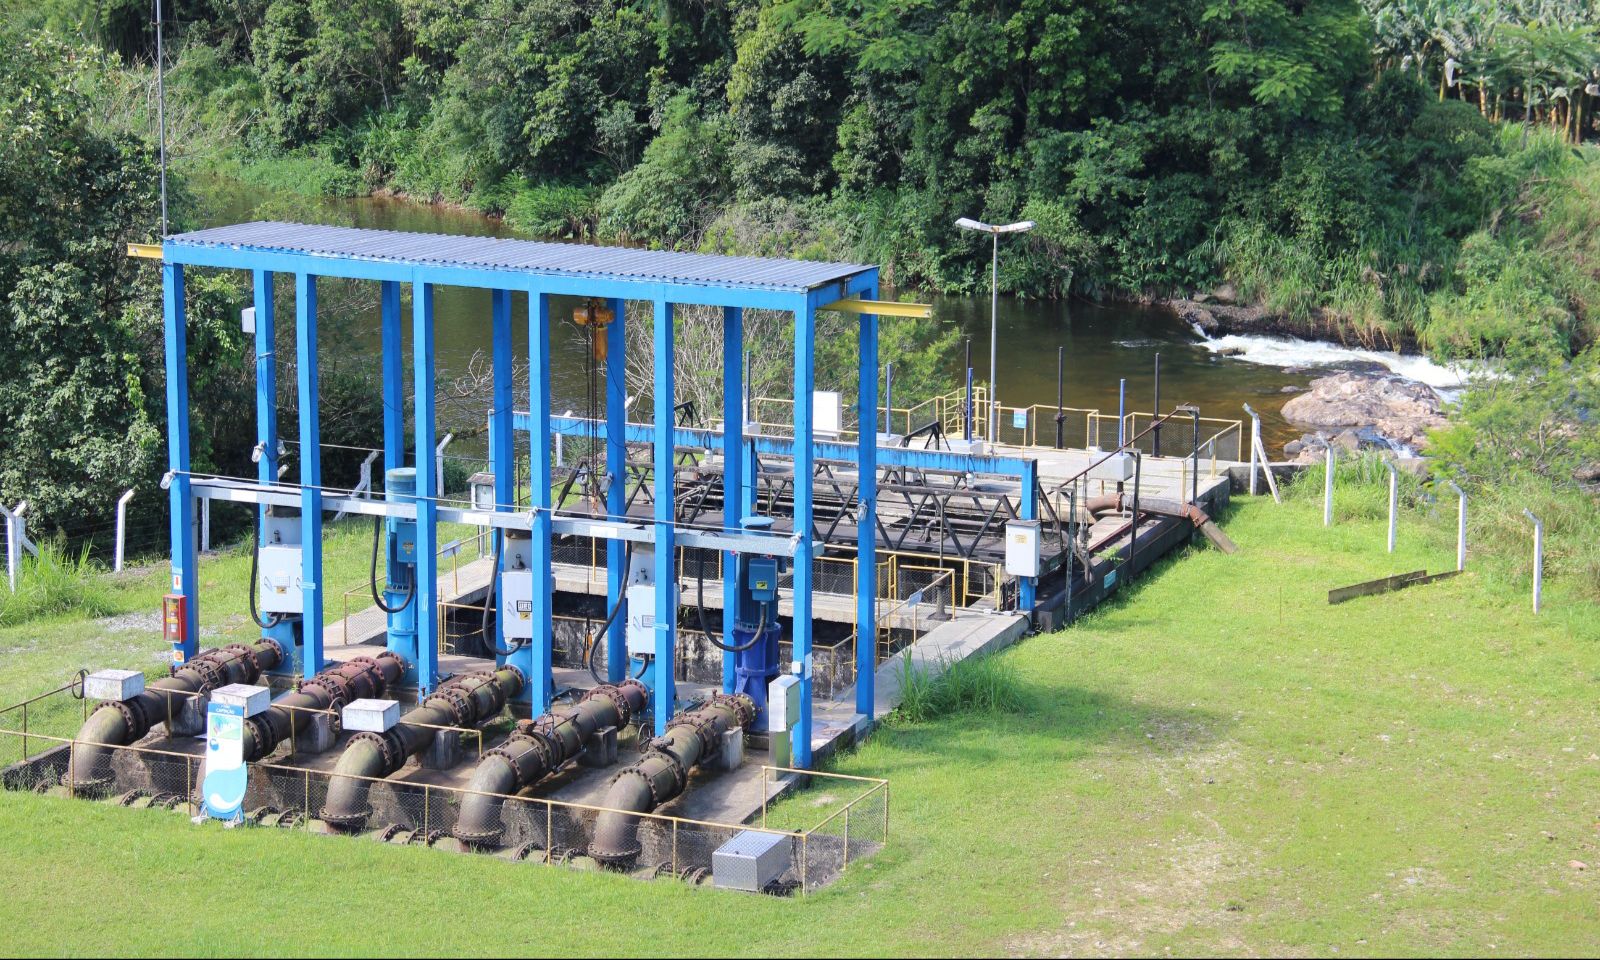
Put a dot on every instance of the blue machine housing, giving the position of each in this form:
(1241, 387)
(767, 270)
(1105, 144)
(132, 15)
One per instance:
(400, 582)
(756, 632)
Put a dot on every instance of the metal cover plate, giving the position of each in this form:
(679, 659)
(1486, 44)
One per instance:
(750, 861)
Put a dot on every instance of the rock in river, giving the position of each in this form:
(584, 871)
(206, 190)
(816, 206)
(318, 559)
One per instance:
(1396, 408)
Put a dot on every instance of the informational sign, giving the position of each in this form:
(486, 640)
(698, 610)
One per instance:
(223, 788)
(1019, 419)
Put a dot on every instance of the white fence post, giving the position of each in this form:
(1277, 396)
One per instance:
(205, 525)
(1461, 526)
(122, 528)
(438, 461)
(1538, 556)
(16, 541)
(1327, 489)
(1394, 500)
(1258, 452)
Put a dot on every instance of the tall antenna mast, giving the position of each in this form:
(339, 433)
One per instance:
(161, 114)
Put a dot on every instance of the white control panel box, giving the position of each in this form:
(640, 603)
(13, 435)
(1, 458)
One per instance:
(516, 604)
(247, 697)
(1022, 548)
(371, 716)
(113, 685)
(972, 448)
(642, 617)
(1116, 468)
(278, 570)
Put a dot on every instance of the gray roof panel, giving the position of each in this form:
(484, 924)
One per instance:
(523, 256)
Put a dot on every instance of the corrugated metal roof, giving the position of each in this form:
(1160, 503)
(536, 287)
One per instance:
(523, 256)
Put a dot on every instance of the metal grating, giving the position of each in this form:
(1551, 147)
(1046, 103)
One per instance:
(521, 256)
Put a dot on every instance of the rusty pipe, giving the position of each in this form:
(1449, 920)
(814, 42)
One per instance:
(356, 679)
(539, 748)
(662, 773)
(121, 722)
(466, 700)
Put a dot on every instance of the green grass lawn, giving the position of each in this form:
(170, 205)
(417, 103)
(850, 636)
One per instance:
(1217, 762)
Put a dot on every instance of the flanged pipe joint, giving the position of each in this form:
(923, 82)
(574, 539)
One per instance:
(663, 773)
(538, 748)
(466, 700)
(117, 723)
(356, 679)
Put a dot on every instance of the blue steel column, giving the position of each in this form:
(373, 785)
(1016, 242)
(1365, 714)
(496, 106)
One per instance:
(732, 474)
(427, 585)
(402, 636)
(305, 330)
(867, 530)
(662, 694)
(535, 657)
(185, 563)
(1029, 509)
(267, 433)
(617, 489)
(804, 363)
(500, 436)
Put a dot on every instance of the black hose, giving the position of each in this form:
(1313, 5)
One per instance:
(700, 609)
(411, 591)
(273, 619)
(488, 601)
(594, 641)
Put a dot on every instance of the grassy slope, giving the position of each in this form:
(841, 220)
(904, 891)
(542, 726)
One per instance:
(1217, 763)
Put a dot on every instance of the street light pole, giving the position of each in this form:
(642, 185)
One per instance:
(994, 232)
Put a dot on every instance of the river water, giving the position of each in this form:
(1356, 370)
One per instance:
(1103, 343)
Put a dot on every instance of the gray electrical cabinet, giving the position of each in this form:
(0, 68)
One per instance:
(1022, 548)
(750, 861)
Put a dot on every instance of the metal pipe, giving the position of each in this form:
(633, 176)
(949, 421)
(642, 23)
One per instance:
(357, 679)
(1061, 418)
(1327, 488)
(888, 397)
(1157, 407)
(118, 723)
(466, 700)
(539, 748)
(662, 773)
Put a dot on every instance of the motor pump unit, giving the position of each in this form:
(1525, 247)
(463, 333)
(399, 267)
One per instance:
(756, 632)
(516, 585)
(400, 486)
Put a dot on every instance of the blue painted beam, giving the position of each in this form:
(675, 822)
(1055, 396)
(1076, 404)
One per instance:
(402, 632)
(866, 525)
(305, 339)
(501, 435)
(617, 489)
(185, 562)
(666, 612)
(804, 460)
(427, 586)
(732, 477)
(535, 658)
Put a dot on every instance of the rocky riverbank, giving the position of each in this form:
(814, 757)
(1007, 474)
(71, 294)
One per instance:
(1355, 409)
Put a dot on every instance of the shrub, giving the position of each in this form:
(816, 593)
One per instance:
(55, 582)
(984, 684)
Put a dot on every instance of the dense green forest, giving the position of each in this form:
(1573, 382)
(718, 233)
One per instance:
(1415, 173)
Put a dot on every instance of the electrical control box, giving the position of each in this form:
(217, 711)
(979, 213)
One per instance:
(1116, 468)
(1022, 548)
(403, 538)
(764, 578)
(280, 529)
(516, 546)
(642, 617)
(516, 604)
(278, 570)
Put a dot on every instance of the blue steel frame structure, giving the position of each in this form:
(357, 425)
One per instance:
(540, 271)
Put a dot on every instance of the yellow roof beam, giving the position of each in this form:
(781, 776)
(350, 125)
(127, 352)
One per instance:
(146, 251)
(882, 308)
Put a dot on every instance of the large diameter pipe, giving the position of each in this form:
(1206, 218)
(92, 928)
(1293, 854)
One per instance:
(539, 748)
(462, 701)
(662, 773)
(357, 679)
(117, 723)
